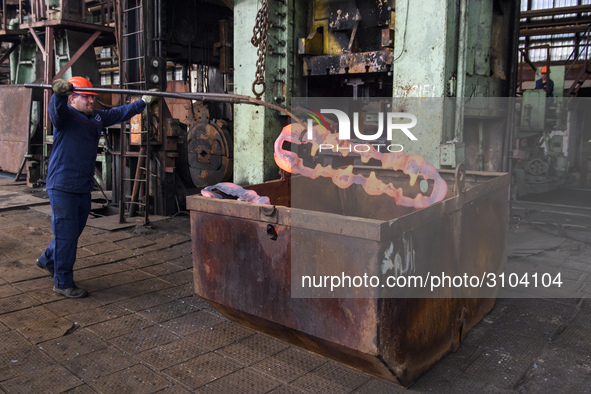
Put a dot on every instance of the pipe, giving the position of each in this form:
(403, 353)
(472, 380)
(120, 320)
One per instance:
(159, 198)
(509, 131)
(220, 97)
(147, 166)
(158, 24)
(13, 65)
(461, 67)
(13, 24)
(480, 146)
(108, 69)
(136, 183)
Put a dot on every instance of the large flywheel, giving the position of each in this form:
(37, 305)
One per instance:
(210, 153)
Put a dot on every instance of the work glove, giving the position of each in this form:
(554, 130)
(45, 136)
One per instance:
(149, 99)
(62, 87)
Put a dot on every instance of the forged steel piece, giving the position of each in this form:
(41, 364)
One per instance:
(412, 165)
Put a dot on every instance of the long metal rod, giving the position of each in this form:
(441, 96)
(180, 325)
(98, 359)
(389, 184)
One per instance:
(461, 71)
(147, 168)
(122, 137)
(219, 97)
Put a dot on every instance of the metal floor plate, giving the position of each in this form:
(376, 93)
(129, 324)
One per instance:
(90, 358)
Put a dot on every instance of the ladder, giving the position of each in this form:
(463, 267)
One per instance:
(583, 40)
(578, 84)
(134, 190)
(4, 65)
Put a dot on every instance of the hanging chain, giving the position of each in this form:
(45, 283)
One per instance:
(259, 40)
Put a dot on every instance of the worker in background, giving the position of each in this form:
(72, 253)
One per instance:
(77, 127)
(545, 83)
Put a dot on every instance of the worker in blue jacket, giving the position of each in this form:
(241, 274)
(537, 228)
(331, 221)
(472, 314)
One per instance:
(77, 128)
(545, 83)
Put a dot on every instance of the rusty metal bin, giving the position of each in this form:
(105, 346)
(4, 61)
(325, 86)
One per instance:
(242, 261)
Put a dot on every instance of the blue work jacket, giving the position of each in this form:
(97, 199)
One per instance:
(75, 142)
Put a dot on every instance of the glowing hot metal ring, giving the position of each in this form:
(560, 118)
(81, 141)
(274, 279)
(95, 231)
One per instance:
(412, 165)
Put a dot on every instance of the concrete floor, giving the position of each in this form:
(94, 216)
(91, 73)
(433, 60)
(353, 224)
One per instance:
(143, 330)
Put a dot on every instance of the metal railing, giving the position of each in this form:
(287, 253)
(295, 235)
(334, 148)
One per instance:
(585, 38)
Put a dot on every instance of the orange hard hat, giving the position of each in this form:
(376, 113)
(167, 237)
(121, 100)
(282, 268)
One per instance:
(81, 82)
(545, 70)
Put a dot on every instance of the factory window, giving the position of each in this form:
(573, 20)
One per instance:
(571, 44)
(107, 66)
(177, 73)
(544, 4)
(105, 79)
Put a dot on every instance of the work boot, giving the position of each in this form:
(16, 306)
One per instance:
(71, 292)
(47, 269)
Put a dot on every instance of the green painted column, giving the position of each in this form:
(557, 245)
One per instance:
(425, 59)
(249, 130)
(257, 128)
(451, 51)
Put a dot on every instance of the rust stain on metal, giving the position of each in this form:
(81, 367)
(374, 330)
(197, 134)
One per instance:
(243, 264)
(210, 153)
(349, 63)
(15, 107)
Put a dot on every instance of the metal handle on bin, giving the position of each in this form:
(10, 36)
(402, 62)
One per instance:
(268, 213)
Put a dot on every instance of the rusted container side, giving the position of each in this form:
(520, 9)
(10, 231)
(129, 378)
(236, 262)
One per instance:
(15, 110)
(242, 255)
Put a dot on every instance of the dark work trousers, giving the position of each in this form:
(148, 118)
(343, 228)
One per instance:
(69, 212)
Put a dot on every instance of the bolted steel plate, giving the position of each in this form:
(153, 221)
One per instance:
(210, 153)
